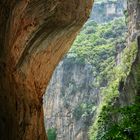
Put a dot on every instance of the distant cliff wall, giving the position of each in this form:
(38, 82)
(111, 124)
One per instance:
(107, 10)
(68, 99)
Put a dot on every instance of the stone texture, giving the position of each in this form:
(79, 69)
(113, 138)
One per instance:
(108, 10)
(70, 87)
(131, 86)
(34, 35)
(133, 10)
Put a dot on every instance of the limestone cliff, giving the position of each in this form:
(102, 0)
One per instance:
(73, 95)
(67, 103)
(106, 10)
(131, 87)
(34, 35)
(119, 114)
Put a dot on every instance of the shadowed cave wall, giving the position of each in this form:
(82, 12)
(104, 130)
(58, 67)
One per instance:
(34, 35)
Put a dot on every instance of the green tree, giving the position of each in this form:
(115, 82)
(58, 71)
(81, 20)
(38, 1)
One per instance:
(51, 133)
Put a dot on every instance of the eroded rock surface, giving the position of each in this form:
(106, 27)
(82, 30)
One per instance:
(70, 101)
(131, 87)
(34, 35)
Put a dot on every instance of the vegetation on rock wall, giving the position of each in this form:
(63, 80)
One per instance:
(112, 121)
(83, 110)
(127, 127)
(95, 45)
(51, 133)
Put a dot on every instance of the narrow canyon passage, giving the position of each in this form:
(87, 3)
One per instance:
(35, 35)
(74, 93)
(93, 92)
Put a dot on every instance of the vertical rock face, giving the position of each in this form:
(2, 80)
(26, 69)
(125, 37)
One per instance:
(34, 35)
(131, 89)
(131, 86)
(107, 10)
(68, 99)
(64, 117)
(133, 20)
(72, 97)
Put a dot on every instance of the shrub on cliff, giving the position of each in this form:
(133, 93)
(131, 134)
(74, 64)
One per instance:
(51, 133)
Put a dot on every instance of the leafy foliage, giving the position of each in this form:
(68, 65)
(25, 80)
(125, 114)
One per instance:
(83, 110)
(127, 127)
(95, 45)
(51, 133)
(106, 126)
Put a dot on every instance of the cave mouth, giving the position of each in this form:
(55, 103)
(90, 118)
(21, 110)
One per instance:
(34, 35)
(73, 95)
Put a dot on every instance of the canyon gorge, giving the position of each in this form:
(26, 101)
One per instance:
(73, 95)
(94, 93)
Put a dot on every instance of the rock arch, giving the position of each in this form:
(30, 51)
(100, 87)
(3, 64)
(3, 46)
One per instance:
(34, 35)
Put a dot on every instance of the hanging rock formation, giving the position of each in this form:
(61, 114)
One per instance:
(34, 35)
(59, 108)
